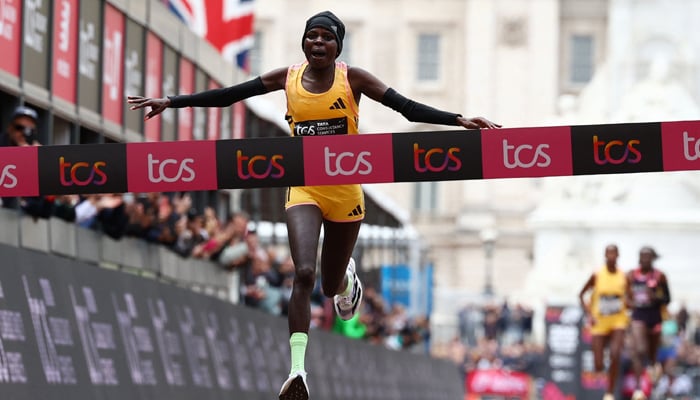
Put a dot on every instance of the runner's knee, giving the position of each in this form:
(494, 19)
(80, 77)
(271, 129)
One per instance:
(305, 276)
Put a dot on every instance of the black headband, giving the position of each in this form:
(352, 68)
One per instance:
(327, 20)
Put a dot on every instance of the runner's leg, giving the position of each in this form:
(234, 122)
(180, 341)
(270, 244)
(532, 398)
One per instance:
(304, 228)
(617, 342)
(338, 243)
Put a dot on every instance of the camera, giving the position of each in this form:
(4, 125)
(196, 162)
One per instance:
(29, 134)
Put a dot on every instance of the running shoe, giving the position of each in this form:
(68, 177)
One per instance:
(608, 396)
(347, 306)
(295, 387)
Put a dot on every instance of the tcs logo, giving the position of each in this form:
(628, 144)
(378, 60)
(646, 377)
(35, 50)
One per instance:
(271, 166)
(157, 172)
(690, 151)
(8, 180)
(423, 159)
(333, 162)
(631, 154)
(514, 156)
(304, 130)
(69, 173)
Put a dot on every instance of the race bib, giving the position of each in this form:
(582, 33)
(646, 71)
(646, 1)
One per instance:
(609, 305)
(321, 127)
(640, 294)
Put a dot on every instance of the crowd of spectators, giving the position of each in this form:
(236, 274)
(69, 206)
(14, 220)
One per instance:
(679, 355)
(494, 336)
(499, 337)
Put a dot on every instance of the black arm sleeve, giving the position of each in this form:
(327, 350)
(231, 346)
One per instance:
(222, 97)
(417, 112)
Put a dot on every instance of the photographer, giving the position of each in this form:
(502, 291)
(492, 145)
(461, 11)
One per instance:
(22, 132)
(22, 128)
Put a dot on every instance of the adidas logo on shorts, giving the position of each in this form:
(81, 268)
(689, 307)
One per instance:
(356, 211)
(338, 105)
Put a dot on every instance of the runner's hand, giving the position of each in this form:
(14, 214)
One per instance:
(157, 105)
(477, 123)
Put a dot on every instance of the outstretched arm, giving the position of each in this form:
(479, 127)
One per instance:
(222, 97)
(363, 82)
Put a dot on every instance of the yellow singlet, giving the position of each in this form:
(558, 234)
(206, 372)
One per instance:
(334, 112)
(608, 302)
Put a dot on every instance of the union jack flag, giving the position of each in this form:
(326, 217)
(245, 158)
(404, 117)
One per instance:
(226, 24)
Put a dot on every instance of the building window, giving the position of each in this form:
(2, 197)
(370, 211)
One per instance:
(581, 70)
(425, 197)
(346, 55)
(428, 57)
(255, 54)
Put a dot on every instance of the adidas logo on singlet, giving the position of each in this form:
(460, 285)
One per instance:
(355, 212)
(338, 105)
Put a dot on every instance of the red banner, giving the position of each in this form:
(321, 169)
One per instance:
(681, 145)
(171, 166)
(497, 383)
(10, 31)
(113, 66)
(342, 159)
(65, 49)
(154, 74)
(213, 117)
(19, 174)
(185, 116)
(514, 155)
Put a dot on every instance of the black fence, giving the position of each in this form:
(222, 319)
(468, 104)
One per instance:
(72, 330)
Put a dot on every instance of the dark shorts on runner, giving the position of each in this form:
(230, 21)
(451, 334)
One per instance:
(650, 316)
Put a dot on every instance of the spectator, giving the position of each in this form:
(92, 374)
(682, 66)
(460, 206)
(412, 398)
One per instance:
(141, 214)
(64, 206)
(258, 276)
(422, 328)
(527, 322)
(105, 212)
(86, 211)
(491, 325)
(190, 232)
(211, 222)
(682, 317)
(236, 249)
(163, 229)
(470, 319)
(21, 131)
(212, 248)
(22, 128)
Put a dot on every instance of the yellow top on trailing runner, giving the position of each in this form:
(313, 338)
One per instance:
(609, 293)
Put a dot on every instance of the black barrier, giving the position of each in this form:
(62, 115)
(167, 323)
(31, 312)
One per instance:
(563, 351)
(70, 330)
